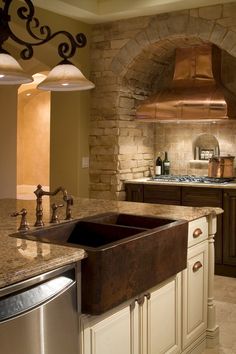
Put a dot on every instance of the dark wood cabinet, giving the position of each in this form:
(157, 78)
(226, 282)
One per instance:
(225, 240)
(229, 223)
(204, 197)
(162, 194)
(134, 192)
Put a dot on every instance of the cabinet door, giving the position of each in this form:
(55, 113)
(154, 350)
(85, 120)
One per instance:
(106, 334)
(229, 221)
(164, 318)
(195, 283)
(134, 192)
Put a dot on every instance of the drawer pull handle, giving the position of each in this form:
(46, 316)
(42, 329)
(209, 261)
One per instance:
(197, 232)
(197, 266)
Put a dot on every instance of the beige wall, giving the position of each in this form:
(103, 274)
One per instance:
(70, 116)
(45, 57)
(33, 138)
(8, 104)
(69, 141)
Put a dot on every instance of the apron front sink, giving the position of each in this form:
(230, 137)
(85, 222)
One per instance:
(127, 254)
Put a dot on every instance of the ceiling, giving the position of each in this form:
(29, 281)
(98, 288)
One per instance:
(98, 11)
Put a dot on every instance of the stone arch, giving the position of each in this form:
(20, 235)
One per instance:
(131, 143)
(154, 46)
(170, 27)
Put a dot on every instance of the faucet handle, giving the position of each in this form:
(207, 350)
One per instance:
(69, 202)
(54, 218)
(24, 226)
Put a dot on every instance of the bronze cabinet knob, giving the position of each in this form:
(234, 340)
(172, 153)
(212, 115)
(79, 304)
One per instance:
(197, 266)
(197, 232)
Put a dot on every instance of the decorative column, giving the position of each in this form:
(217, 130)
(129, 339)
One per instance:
(212, 327)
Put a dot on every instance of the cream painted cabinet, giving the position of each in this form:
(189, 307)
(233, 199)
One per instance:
(151, 324)
(164, 318)
(195, 292)
(106, 334)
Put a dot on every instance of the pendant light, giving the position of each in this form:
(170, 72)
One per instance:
(63, 77)
(11, 73)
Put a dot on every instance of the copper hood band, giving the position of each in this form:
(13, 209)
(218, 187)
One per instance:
(193, 94)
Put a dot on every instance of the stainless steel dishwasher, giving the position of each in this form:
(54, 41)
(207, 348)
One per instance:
(39, 315)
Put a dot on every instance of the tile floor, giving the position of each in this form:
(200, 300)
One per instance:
(225, 296)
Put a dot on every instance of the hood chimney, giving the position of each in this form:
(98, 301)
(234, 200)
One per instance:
(193, 95)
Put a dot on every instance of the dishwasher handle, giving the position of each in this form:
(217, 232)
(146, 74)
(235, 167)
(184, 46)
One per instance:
(30, 298)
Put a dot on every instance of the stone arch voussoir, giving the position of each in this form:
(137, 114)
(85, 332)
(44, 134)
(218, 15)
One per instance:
(169, 27)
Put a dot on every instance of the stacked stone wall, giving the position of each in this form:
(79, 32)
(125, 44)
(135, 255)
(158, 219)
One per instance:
(131, 60)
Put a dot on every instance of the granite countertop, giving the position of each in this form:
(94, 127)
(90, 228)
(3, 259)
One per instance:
(230, 185)
(22, 259)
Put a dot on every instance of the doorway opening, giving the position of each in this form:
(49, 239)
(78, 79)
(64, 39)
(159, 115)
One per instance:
(33, 138)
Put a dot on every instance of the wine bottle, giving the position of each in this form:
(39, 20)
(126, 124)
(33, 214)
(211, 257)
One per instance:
(158, 169)
(166, 165)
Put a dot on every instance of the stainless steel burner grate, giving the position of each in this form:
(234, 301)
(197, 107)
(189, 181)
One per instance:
(191, 179)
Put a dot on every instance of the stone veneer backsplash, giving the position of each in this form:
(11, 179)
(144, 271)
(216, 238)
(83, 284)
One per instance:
(131, 60)
(178, 139)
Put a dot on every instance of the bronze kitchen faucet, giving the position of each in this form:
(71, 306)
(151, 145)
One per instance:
(39, 192)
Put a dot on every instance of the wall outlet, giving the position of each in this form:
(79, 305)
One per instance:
(85, 162)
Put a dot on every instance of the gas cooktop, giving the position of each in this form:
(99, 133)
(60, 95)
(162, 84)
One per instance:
(191, 179)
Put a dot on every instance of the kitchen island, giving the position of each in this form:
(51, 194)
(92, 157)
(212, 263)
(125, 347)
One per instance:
(183, 297)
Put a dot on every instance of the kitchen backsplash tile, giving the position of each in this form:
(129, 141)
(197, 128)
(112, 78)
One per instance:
(178, 140)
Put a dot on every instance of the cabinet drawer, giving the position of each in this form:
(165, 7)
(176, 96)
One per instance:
(162, 194)
(197, 231)
(200, 197)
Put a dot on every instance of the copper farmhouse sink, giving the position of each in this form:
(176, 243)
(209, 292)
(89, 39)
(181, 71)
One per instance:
(127, 254)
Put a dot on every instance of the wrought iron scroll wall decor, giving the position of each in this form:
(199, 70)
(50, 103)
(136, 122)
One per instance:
(40, 35)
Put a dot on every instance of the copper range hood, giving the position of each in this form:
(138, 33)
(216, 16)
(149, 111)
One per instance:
(193, 95)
